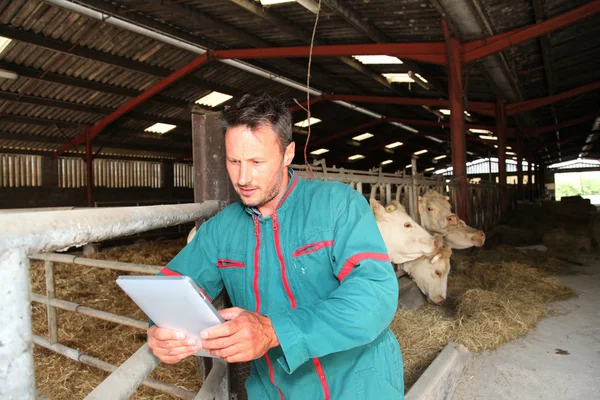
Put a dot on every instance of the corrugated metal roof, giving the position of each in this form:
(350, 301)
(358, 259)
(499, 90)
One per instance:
(120, 59)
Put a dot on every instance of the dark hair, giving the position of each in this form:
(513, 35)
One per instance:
(256, 111)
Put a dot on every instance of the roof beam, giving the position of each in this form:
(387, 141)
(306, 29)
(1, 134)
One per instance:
(39, 74)
(103, 57)
(112, 143)
(432, 52)
(65, 105)
(515, 108)
(299, 33)
(479, 49)
(372, 32)
(476, 106)
(201, 19)
(532, 132)
(101, 125)
(538, 10)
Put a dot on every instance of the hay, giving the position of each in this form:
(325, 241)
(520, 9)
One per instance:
(61, 378)
(490, 303)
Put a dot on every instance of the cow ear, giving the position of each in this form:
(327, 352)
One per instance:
(391, 208)
(375, 206)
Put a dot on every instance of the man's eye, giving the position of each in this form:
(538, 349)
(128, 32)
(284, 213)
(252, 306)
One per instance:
(258, 162)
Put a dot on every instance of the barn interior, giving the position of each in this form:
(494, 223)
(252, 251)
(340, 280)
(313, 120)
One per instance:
(112, 106)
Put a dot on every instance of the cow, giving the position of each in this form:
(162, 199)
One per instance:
(435, 213)
(430, 273)
(191, 234)
(463, 236)
(404, 239)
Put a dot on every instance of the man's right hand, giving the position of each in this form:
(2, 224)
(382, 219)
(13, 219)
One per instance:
(171, 346)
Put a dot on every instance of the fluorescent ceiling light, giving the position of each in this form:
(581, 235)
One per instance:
(398, 77)
(386, 162)
(394, 145)
(319, 152)
(429, 169)
(4, 42)
(595, 127)
(409, 166)
(445, 111)
(470, 153)
(416, 153)
(356, 157)
(481, 131)
(378, 59)
(510, 153)
(304, 124)
(160, 128)
(439, 157)
(487, 137)
(271, 2)
(362, 137)
(507, 147)
(8, 74)
(434, 139)
(213, 99)
(419, 76)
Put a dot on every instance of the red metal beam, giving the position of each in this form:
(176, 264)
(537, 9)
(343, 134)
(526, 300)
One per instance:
(478, 49)
(348, 131)
(441, 124)
(527, 105)
(457, 120)
(99, 126)
(501, 132)
(475, 106)
(531, 132)
(304, 104)
(430, 52)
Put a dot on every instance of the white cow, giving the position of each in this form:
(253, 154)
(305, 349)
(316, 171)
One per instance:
(435, 212)
(191, 234)
(463, 237)
(430, 273)
(404, 239)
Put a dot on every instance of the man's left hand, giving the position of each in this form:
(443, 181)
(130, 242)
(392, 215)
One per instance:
(245, 336)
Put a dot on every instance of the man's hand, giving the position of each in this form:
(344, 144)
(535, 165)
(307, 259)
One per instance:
(170, 346)
(245, 336)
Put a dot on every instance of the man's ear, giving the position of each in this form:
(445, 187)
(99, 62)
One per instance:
(290, 152)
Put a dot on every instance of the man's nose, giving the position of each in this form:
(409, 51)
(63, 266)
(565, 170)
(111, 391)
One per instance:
(245, 174)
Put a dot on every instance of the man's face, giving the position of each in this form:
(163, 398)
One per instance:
(255, 164)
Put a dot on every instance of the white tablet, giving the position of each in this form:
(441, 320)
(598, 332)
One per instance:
(172, 302)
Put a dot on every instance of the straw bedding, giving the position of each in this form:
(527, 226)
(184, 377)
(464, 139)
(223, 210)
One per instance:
(494, 297)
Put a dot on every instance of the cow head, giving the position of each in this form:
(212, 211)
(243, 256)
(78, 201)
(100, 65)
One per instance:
(463, 236)
(430, 273)
(434, 210)
(404, 239)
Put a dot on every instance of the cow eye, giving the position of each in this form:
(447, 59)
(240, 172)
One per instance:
(408, 225)
(438, 273)
(429, 209)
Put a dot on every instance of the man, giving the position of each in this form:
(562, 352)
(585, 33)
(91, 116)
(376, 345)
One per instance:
(305, 267)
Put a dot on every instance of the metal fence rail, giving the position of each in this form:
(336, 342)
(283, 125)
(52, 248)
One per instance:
(25, 234)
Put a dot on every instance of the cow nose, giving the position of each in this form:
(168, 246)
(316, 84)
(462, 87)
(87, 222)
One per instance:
(452, 219)
(440, 301)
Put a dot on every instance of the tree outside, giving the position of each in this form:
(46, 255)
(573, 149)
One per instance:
(585, 184)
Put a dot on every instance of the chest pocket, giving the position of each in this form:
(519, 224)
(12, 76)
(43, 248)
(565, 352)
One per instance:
(232, 267)
(313, 266)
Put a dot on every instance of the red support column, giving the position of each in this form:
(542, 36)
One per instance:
(529, 174)
(89, 166)
(520, 164)
(457, 120)
(501, 132)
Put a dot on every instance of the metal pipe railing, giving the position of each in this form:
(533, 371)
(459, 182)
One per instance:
(76, 355)
(215, 386)
(91, 262)
(126, 379)
(29, 233)
(91, 312)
